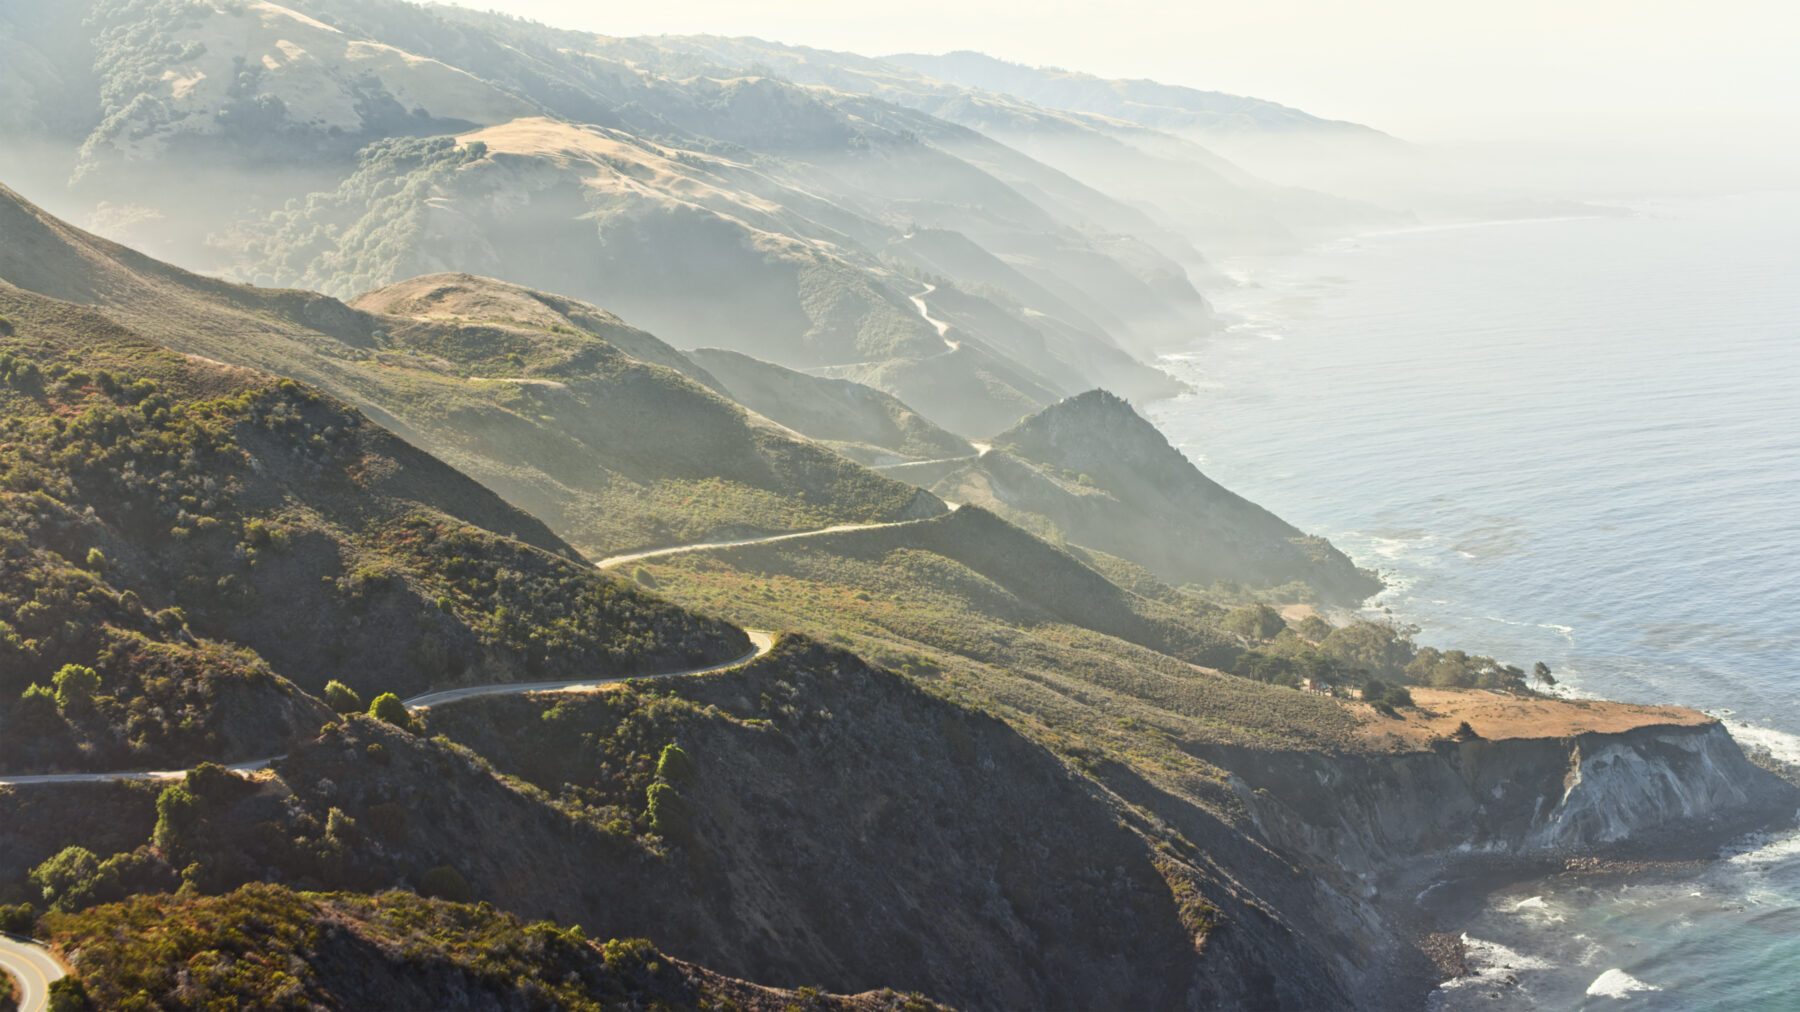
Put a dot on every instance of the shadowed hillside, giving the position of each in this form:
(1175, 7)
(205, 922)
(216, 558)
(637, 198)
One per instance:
(1091, 470)
(518, 388)
(857, 421)
(184, 531)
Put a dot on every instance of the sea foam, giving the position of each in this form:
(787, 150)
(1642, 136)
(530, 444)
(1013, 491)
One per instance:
(1616, 983)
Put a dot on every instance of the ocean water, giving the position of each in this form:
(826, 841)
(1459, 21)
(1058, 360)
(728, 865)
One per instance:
(1575, 441)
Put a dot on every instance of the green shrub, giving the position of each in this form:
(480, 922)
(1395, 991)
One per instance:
(37, 705)
(17, 919)
(68, 994)
(177, 814)
(96, 560)
(1312, 628)
(644, 578)
(1384, 695)
(69, 879)
(1254, 622)
(341, 828)
(341, 697)
(75, 686)
(674, 765)
(388, 707)
(445, 883)
(670, 816)
(624, 955)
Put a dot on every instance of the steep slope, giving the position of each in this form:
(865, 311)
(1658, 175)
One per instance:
(465, 297)
(714, 206)
(183, 529)
(614, 453)
(1183, 195)
(264, 944)
(1091, 470)
(1003, 876)
(858, 421)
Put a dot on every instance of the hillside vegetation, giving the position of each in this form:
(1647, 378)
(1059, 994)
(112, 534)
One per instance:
(273, 948)
(857, 421)
(523, 390)
(992, 887)
(701, 198)
(1091, 471)
(176, 532)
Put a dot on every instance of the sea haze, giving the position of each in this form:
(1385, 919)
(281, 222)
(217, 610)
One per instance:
(1575, 441)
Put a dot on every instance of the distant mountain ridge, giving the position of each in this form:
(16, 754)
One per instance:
(519, 388)
(1142, 101)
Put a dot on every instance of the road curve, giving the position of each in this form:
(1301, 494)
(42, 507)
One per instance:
(620, 560)
(761, 643)
(943, 327)
(33, 967)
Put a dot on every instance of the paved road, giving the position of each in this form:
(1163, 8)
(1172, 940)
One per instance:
(31, 965)
(620, 560)
(247, 766)
(981, 450)
(761, 643)
(943, 328)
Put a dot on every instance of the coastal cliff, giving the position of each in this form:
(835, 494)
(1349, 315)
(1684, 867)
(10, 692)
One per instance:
(1656, 790)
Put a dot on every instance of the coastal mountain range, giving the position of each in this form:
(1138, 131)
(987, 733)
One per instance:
(476, 496)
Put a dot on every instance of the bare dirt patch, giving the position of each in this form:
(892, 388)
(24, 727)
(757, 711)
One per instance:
(1439, 712)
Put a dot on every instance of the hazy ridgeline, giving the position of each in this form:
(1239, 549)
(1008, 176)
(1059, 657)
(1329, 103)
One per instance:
(339, 339)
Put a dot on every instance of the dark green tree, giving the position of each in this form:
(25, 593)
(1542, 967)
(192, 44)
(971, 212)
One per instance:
(1254, 622)
(76, 686)
(67, 880)
(37, 706)
(670, 816)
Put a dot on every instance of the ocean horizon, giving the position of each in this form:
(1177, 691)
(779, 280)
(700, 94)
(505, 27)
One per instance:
(1571, 440)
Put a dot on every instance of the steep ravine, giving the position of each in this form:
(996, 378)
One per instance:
(1377, 822)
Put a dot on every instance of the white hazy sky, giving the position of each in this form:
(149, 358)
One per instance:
(1643, 71)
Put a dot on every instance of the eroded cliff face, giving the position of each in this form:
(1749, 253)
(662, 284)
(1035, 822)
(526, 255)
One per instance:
(1652, 789)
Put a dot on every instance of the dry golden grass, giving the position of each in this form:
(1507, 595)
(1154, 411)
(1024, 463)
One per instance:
(1500, 715)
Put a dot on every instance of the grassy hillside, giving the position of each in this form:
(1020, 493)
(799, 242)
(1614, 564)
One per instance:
(712, 204)
(858, 421)
(185, 530)
(1091, 471)
(1041, 888)
(270, 947)
(990, 615)
(523, 390)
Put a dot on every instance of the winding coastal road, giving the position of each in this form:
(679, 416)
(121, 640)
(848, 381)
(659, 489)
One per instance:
(655, 553)
(33, 967)
(981, 450)
(761, 643)
(943, 327)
